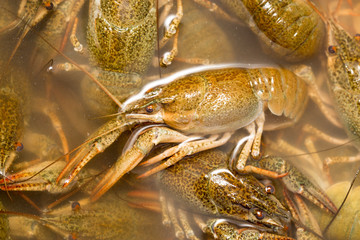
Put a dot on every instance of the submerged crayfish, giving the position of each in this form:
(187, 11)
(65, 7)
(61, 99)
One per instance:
(343, 68)
(344, 73)
(214, 101)
(110, 218)
(202, 184)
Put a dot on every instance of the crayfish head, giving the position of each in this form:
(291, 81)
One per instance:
(343, 49)
(174, 103)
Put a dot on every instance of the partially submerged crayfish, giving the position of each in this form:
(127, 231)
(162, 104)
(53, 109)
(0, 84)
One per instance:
(213, 101)
(203, 186)
(292, 189)
(296, 182)
(121, 42)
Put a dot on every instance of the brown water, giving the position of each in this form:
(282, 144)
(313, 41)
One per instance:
(201, 35)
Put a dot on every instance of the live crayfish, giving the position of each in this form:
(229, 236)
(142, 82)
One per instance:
(211, 101)
(343, 69)
(343, 61)
(205, 166)
(121, 43)
(80, 219)
(296, 187)
(204, 186)
(18, 105)
(129, 127)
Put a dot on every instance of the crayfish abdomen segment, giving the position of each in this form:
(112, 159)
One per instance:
(285, 93)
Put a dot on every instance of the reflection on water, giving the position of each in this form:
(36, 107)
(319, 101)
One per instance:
(57, 97)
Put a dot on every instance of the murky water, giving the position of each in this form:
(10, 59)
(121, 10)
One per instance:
(212, 40)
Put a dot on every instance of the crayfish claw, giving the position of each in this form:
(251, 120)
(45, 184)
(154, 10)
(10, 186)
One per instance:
(296, 182)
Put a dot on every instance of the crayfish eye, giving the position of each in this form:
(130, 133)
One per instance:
(149, 109)
(259, 214)
(19, 146)
(357, 37)
(48, 5)
(332, 49)
(75, 206)
(269, 189)
(152, 108)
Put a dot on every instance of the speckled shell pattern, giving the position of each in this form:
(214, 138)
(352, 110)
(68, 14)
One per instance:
(203, 182)
(291, 28)
(122, 34)
(344, 77)
(295, 181)
(121, 40)
(13, 96)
